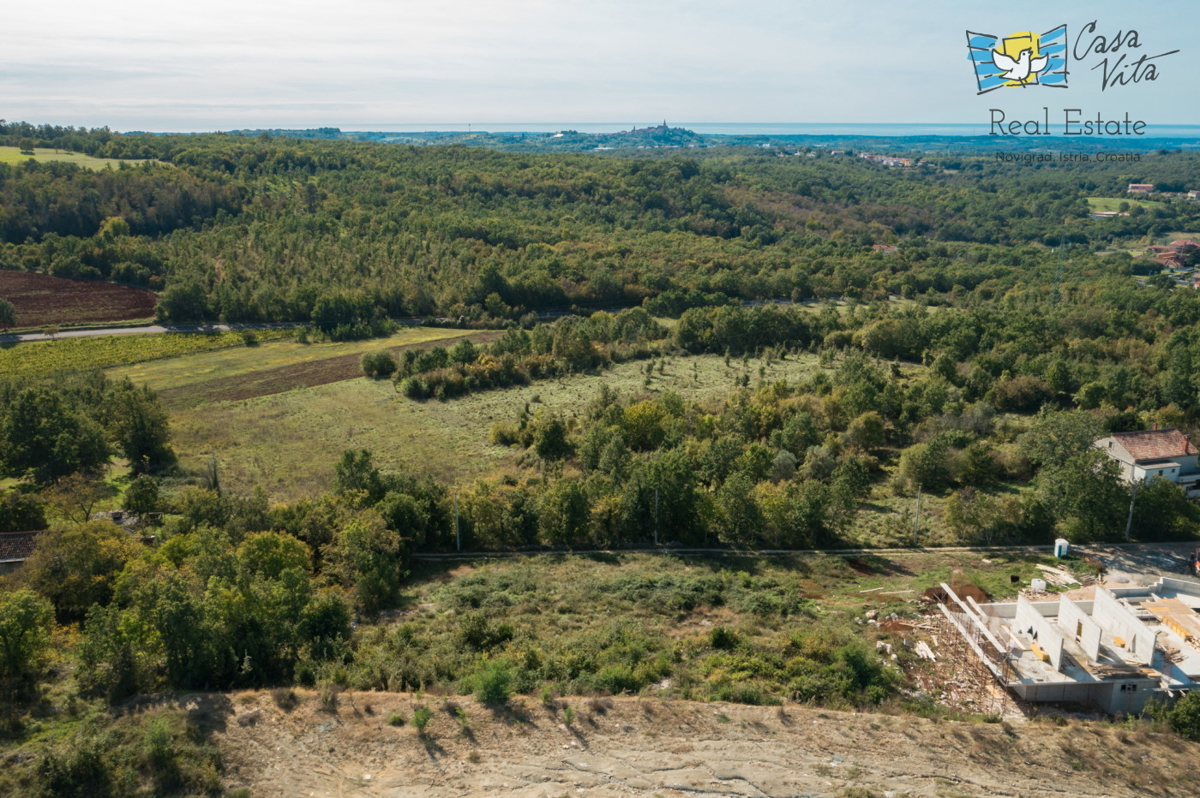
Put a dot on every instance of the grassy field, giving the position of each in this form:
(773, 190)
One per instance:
(289, 442)
(45, 358)
(1109, 204)
(688, 627)
(13, 155)
(179, 372)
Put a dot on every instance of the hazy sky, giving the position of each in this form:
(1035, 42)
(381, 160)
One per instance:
(441, 64)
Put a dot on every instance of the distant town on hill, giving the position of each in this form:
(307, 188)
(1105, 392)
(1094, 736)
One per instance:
(666, 137)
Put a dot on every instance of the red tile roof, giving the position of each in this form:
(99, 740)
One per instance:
(1158, 444)
(16, 545)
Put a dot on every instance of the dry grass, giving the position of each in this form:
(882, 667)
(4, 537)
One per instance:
(289, 442)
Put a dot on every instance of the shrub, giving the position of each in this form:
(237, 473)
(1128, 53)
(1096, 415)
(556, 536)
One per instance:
(493, 684)
(722, 638)
(420, 719)
(25, 619)
(285, 698)
(1184, 717)
(395, 719)
(378, 364)
(329, 693)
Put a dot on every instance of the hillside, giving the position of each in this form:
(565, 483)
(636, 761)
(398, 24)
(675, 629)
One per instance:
(649, 747)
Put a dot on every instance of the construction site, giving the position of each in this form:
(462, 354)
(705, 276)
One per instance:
(1117, 651)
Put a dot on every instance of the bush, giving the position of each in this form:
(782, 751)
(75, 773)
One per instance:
(396, 719)
(25, 619)
(1184, 717)
(420, 719)
(378, 364)
(722, 638)
(141, 497)
(493, 684)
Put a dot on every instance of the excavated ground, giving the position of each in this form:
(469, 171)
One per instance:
(653, 747)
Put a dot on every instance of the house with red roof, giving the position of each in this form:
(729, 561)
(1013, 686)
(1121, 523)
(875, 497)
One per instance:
(1140, 188)
(1166, 453)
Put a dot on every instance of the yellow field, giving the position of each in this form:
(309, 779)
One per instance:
(13, 155)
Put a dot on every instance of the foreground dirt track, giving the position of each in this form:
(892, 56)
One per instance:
(652, 747)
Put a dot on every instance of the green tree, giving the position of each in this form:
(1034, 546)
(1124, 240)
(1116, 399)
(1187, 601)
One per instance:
(78, 567)
(738, 513)
(1057, 435)
(550, 441)
(141, 497)
(43, 438)
(21, 512)
(927, 465)
(25, 622)
(1086, 496)
(563, 513)
(1184, 717)
(140, 426)
(370, 557)
(271, 553)
(8, 314)
(183, 302)
(26, 146)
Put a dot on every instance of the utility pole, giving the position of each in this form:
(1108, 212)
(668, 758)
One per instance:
(656, 516)
(1129, 521)
(457, 537)
(917, 520)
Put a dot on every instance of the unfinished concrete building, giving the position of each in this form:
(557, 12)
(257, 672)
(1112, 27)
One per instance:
(1118, 651)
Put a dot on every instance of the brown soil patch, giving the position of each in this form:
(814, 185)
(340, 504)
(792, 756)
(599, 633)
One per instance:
(41, 299)
(656, 747)
(286, 378)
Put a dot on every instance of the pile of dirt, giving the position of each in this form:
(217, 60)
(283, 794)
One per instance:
(639, 746)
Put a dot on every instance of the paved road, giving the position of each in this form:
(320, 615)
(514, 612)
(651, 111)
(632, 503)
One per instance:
(143, 330)
(149, 329)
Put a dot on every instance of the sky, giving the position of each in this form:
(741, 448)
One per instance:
(166, 65)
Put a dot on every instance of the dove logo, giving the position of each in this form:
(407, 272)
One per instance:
(1019, 60)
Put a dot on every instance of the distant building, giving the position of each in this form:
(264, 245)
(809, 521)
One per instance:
(1194, 195)
(1166, 453)
(1140, 188)
(15, 548)
(886, 248)
(1102, 214)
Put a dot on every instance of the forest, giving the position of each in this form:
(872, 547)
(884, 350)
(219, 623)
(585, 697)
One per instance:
(975, 359)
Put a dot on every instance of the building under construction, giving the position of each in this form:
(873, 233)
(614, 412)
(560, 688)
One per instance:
(1122, 649)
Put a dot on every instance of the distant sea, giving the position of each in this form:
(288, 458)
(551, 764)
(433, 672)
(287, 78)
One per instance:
(873, 129)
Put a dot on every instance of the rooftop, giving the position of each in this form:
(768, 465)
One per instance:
(16, 546)
(1158, 444)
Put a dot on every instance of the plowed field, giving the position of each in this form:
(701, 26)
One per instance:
(41, 299)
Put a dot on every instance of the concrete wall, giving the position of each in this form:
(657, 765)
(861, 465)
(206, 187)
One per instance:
(1074, 623)
(1107, 695)
(1120, 621)
(1048, 637)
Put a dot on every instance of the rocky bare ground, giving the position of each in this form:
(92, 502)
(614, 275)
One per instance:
(653, 747)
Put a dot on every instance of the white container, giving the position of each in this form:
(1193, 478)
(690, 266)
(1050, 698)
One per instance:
(1062, 547)
(1038, 584)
